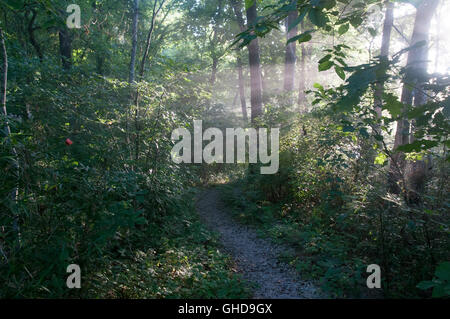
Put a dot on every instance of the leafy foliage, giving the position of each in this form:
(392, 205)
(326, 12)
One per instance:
(86, 171)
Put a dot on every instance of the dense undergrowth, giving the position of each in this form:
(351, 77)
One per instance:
(333, 206)
(176, 257)
(110, 200)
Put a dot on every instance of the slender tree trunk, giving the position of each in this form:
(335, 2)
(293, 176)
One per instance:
(4, 80)
(416, 65)
(134, 35)
(215, 56)
(65, 48)
(4, 83)
(240, 20)
(385, 44)
(150, 35)
(264, 81)
(3, 101)
(31, 30)
(132, 75)
(254, 63)
(3, 97)
(141, 73)
(291, 57)
(99, 63)
(214, 70)
(416, 69)
(242, 88)
(255, 68)
(302, 80)
(235, 98)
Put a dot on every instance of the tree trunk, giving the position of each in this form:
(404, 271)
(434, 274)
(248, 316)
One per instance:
(302, 80)
(416, 69)
(291, 57)
(65, 48)
(4, 80)
(215, 56)
(4, 83)
(141, 74)
(99, 63)
(385, 44)
(134, 35)
(31, 30)
(242, 88)
(416, 65)
(255, 68)
(214, 70)
(150, 35)
(240, 20)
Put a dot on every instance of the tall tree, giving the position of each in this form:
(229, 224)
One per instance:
(155, 11)
(134, 34)
(255, 66)
(241, 87)
(65, 38)
(302, 75)
(291, 56)
(65, 47)
(4, 83)
(240, 20)
(31, 29)
(385, 45)
(215, 55)
(413, 92)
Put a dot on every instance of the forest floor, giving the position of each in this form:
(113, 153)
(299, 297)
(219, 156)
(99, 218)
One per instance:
(257, 259)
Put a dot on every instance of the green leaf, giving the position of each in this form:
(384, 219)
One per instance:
(341, 61)
(319, 87)
(340, 71)
(363, 132)
(417, 146)
(317, 17)
(393, 105)
(325, 65)
(348, 129)
(304, 37)
(327, 4)
(343, 28)
(325, 58)
(381, 159)
(373, 32)
(356, 21)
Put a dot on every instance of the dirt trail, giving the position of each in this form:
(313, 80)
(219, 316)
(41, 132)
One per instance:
(256, 258)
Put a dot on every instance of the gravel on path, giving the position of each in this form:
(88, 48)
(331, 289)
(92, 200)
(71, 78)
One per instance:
(256, 258)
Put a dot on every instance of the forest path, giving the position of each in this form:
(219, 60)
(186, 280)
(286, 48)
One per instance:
(256, 258)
